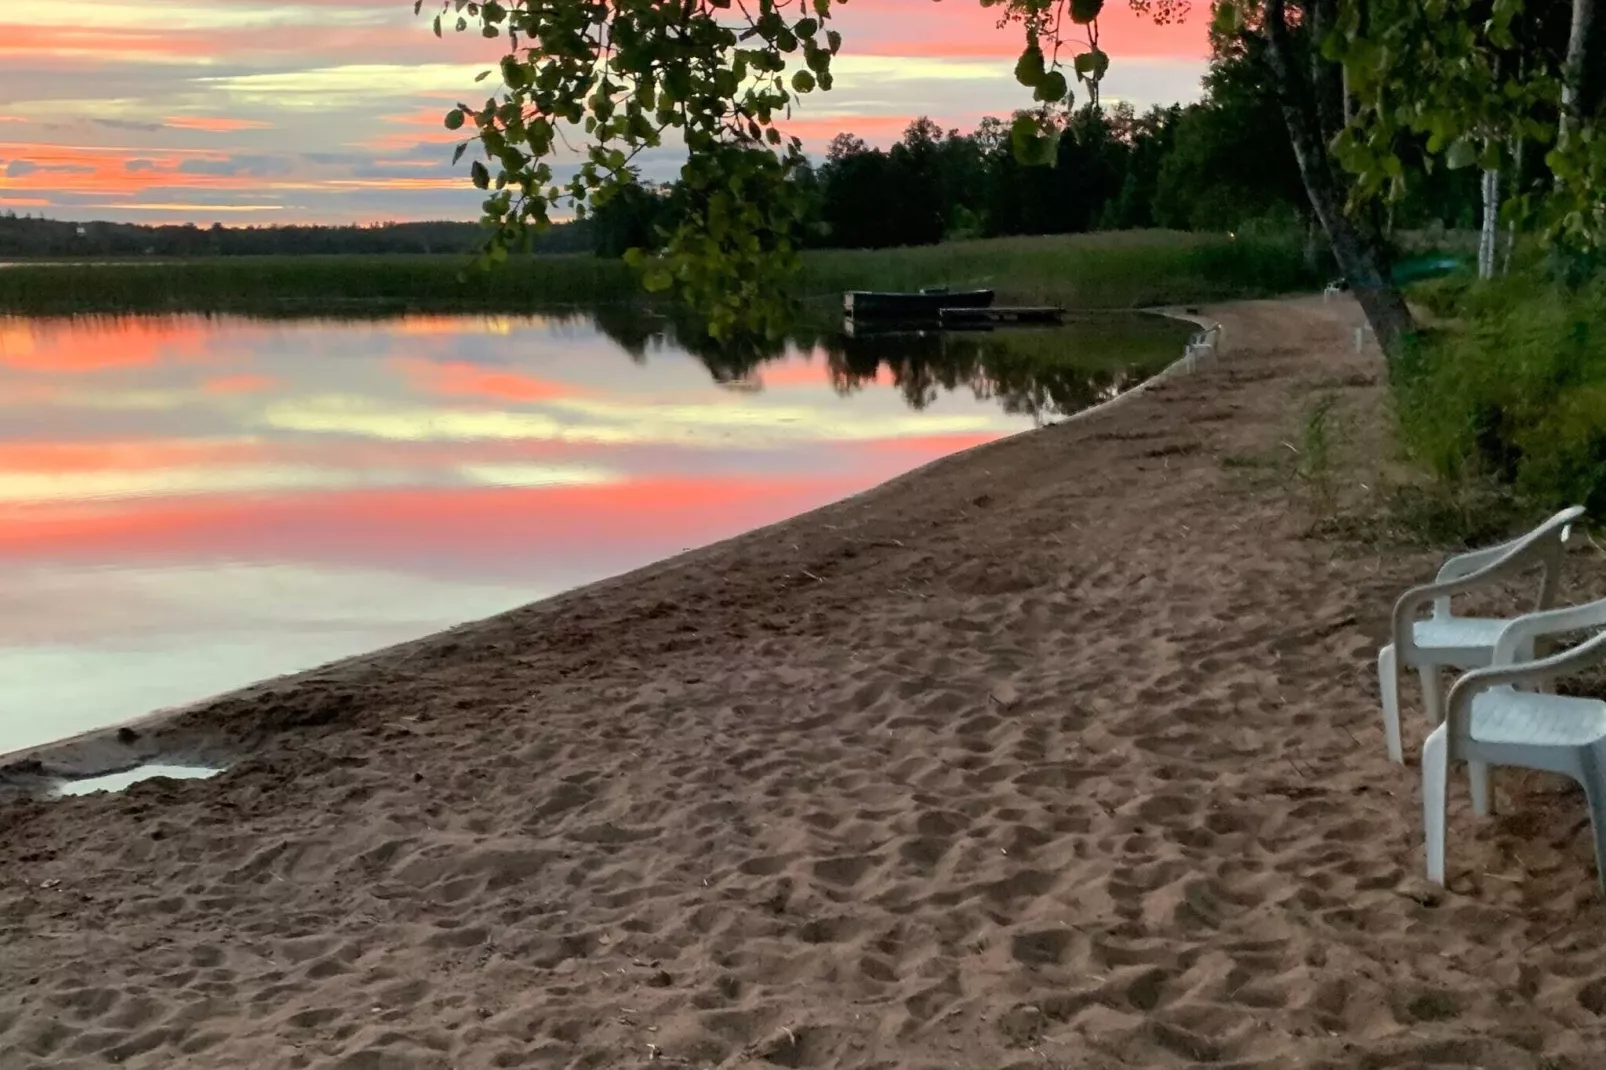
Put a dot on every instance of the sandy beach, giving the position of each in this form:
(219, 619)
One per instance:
(1061, 752)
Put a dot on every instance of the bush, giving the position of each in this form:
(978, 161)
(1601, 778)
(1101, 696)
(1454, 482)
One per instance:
(1517, 394)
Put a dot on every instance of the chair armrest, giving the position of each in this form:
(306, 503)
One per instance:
(1531, 626)
(1412, 601)
(1477, 681)
(1465, 564)
(1521, 547)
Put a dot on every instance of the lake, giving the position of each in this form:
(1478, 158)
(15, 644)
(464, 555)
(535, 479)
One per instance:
(191, 503)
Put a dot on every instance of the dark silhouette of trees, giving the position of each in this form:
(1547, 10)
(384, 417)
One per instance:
(24, 236)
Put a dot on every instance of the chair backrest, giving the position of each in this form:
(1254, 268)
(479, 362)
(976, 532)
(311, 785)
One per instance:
(1516, 553)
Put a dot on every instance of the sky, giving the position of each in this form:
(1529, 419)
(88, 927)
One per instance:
(252, 111)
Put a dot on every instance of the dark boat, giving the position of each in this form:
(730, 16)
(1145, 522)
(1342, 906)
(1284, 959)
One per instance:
(924, 304)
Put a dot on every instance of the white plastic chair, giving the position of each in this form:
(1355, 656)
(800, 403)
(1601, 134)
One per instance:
(1445, 640)
(1494, 720)
(1202, 345)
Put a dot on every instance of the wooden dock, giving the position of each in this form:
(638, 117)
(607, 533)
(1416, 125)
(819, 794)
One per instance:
(1023, 314)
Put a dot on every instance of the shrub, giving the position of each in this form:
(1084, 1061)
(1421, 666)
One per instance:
(1518, 393)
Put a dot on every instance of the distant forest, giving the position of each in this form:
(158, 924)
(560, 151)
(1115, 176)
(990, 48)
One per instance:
(1221, 164)
(22, 237)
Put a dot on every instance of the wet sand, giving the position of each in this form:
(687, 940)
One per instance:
(1062, 752)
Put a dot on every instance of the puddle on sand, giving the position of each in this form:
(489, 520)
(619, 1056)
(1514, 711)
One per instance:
(119, 781)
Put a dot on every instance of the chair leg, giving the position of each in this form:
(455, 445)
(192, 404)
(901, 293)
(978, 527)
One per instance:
(1431, 703)
(1435, 783)
(1594, 780)
(1388, 677)
(1482, 797)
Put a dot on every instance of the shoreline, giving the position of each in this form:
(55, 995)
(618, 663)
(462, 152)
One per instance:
(139, 740)
(1060, 750)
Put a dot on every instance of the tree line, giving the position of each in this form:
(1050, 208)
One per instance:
(1220, 164)
(28, 236)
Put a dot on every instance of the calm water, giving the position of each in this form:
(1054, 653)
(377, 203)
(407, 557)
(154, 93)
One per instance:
(191, 504)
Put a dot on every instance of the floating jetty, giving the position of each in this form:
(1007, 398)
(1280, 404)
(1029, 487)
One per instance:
(926, 304)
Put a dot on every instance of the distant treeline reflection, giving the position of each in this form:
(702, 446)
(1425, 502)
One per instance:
(1043, 373)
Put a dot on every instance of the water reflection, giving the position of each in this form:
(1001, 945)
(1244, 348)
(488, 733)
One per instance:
(1034, 372)
(129, 777)
(190, 504)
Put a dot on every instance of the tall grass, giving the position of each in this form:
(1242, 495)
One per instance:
(1117, 269)
(1107, 270)
(1514, 393)
(299, 285)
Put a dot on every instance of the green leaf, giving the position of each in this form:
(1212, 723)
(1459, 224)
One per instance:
(1029, 68)
(1462, 154)
(807, 27)
(834, 41)
(1053, 88)
(1085, 11)
(657, 280)
(479, 175)
(1090, 66)
(457, 153)
(803, 82)
(1227, 19)
(1031, 147)
(454, 119)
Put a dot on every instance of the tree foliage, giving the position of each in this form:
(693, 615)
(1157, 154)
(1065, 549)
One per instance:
(1467, 81)
(622, 76)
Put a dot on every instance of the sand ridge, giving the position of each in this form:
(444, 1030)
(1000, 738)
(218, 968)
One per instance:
(1062, 752)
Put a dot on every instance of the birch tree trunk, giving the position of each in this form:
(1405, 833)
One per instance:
(1312, 101)
(1491, 219)
(1582, 79)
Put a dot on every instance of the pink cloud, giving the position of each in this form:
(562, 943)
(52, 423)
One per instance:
(461, 379)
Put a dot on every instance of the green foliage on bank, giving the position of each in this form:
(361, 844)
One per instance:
(311, 285)
(1512, 390)
(1115, 269)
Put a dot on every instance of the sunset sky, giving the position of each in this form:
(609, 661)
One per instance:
(249, 111)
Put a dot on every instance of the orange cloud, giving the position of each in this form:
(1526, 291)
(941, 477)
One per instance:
(514, 524)
(875, 128)
(934, 445)
(461, 379)
(801, 373)
(422, 125)
(334, 44)
(63, 457)
(77, 347)
(106, 43)
(122, 172)
(915, 28)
